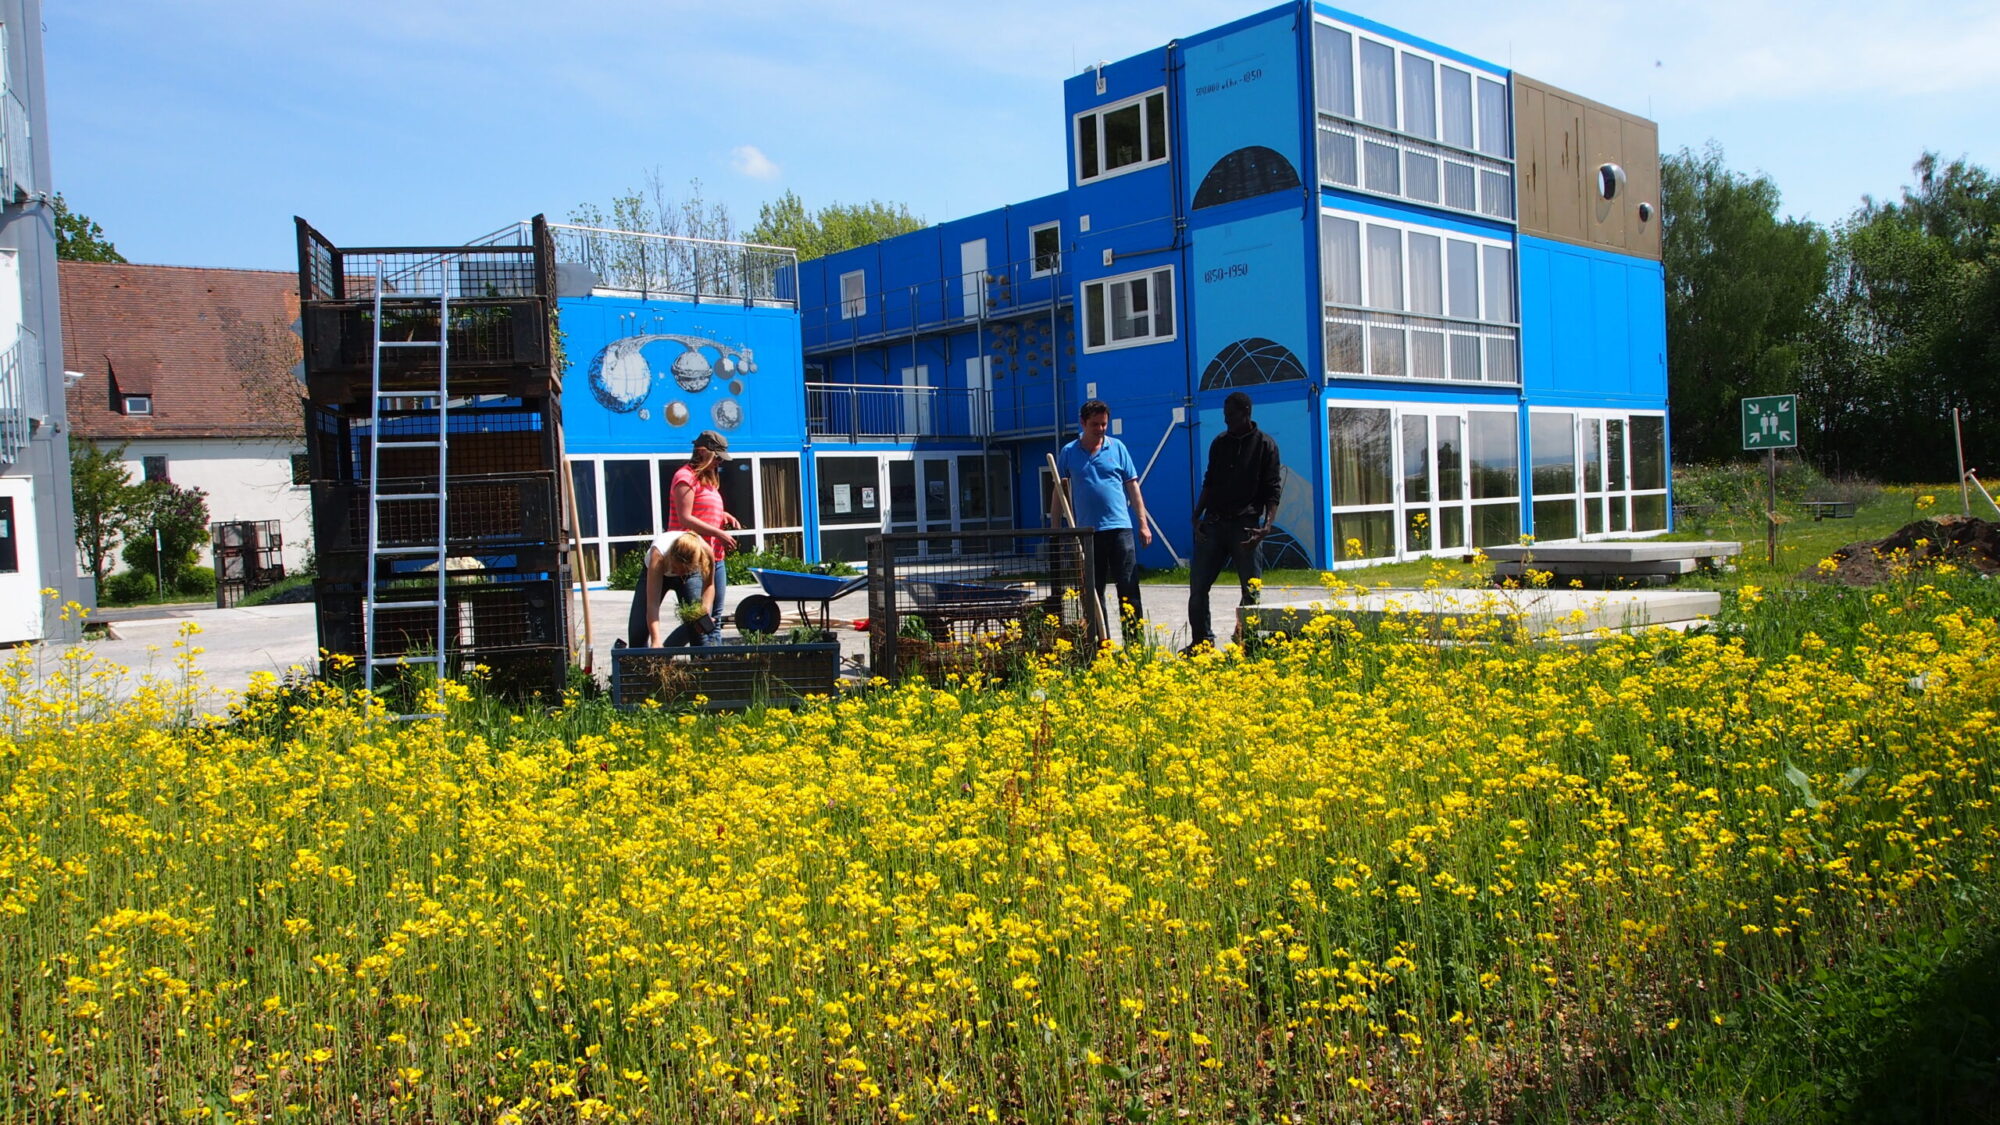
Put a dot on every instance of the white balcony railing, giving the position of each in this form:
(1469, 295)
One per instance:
(17, 173)
(846, 412)
(20, 368)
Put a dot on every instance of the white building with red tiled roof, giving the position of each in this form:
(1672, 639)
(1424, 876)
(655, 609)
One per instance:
(191, 371)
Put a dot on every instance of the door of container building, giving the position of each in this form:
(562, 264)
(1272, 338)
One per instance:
(20, 570)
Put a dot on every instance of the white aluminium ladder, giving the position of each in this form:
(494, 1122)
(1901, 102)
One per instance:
(386, 590)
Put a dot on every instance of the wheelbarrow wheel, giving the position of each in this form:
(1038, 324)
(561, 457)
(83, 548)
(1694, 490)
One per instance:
(759, 613)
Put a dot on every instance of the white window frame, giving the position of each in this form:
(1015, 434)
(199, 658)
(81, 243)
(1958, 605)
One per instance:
(137, 405)
(1408, 144)
(1035, 257)
(1370, 313)
(1400, 506)
(1097, 114)
(854, 304)
(1620, 494)
(1096, 303)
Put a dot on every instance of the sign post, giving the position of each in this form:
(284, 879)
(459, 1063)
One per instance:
(1770, 423)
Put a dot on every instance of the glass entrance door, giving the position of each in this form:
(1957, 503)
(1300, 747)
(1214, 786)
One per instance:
(1404, 486)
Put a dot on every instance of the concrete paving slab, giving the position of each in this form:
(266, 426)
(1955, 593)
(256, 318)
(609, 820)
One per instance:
(1567, 612)
(1650, 550)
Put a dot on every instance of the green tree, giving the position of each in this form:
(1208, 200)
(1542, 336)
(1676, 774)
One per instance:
(681, 262)
(1743, 289)
(78, 239)
(106, 503)
(180, 515)
(1910, 328)
(786, 221)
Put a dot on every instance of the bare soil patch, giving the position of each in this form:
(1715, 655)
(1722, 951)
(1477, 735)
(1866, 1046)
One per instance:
(1963, 541)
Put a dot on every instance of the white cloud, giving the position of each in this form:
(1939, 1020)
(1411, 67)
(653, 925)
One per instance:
(749, 160)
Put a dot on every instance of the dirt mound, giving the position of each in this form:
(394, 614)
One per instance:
(1963, 541)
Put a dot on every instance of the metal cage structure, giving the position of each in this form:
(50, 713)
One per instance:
(979, 602)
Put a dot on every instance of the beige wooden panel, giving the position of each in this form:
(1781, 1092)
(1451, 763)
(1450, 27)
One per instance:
(1642, 170)
(1564, 129)
(1604, 140)
(1531, 159)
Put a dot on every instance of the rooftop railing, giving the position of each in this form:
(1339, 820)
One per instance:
(676, 267)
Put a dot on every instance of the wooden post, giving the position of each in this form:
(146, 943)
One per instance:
(1091, 607)
(1958, 439)
(568, 485)
(1771, 515)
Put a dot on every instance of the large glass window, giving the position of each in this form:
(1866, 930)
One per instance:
(1333, 69)
(1402, 122)
(780, 489)
(1123, 312)
(1552, 447)
(849, 509)
(1122, 137)
(1399, 480)
(1614, 472)
(1417, 303)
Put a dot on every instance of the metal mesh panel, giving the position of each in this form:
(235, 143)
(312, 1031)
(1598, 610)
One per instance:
(724, 677)
(977, 602)
(482, 613)
(478, 511)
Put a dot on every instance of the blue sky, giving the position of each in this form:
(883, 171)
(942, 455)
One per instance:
(193, 131)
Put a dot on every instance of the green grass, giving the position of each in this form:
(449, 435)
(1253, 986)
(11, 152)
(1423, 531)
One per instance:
(261, 597)
(1802, 542)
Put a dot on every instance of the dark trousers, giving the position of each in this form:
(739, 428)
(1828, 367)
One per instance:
(1220, 541)
(1118, 563)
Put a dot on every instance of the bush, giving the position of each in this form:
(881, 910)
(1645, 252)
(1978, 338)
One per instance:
(626, 571)
(195, 582)
(740, 562)
(127, 587)
(181, 515)
(1740, 487)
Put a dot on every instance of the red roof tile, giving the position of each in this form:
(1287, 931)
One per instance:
(214, 349)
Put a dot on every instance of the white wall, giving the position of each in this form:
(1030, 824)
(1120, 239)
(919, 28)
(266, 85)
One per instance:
(246, 479)
(21, 601)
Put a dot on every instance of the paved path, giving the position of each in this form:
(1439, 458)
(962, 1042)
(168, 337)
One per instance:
(237, 643)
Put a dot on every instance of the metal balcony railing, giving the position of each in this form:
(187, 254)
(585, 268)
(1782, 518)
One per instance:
(20, 368)
(680, 268)
(1029, 287)
(846, 412)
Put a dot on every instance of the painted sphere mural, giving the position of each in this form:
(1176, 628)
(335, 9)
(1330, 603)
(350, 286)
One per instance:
(691, 371)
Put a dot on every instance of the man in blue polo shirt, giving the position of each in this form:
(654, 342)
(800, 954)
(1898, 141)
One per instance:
(1103, 486)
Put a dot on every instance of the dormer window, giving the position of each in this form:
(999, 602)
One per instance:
(138, 404)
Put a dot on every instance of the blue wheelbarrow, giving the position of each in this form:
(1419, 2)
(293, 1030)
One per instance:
(760, 613)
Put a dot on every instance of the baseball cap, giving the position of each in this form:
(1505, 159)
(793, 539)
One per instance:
(709, 439)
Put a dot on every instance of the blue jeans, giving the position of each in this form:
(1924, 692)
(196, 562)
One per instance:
(1118, 563)
(1216, 542)
(686, 589)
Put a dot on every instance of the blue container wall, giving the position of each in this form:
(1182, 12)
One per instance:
(917, 280)
(646, 376)
(1593, 327)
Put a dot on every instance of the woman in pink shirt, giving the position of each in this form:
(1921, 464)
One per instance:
(695, 504)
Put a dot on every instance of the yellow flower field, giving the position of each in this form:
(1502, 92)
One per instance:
(1358, 877)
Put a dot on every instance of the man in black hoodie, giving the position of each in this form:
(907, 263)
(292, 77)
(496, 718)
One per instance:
(1233, 514)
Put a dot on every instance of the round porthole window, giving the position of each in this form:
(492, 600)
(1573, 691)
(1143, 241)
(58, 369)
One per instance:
(1610, 181)
(1645, 212)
